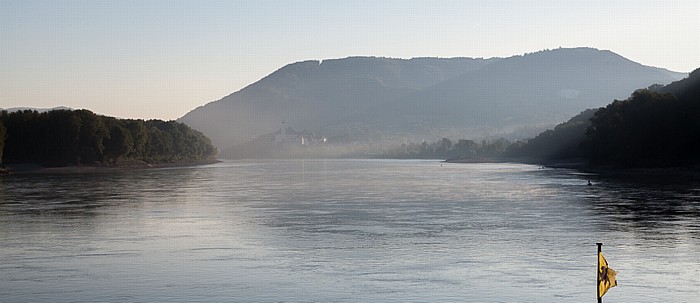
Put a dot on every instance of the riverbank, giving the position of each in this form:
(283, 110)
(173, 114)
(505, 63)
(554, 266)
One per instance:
(22, 168)
(665, 174)
(609, 171)
(481, 160)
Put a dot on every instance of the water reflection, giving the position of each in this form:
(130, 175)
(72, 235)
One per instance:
(343, 231)
(658, 210)
(81, 194)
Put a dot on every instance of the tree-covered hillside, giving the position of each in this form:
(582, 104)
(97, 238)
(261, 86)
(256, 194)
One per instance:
(2, 139)
(650, 129)
(655, 127)
(65, 137)
(561, 143)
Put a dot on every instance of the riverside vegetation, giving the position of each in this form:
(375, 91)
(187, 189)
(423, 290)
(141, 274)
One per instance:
(655, 127)
(80, 137)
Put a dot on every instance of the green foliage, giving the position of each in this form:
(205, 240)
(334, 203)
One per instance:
(93, 131)
(2, 139)
(655, 127)
(119, 143)
(562, 142)
(649, 129)
(446, 149)
(64, 137)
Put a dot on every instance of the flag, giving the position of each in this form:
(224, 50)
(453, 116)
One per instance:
(606, 276)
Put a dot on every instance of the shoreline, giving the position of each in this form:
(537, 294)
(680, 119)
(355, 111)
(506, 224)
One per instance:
(34, 168)
(665, 173)
(610, 171)
(676, 173)
(679, 173)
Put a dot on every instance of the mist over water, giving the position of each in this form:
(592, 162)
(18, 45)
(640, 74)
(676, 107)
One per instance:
(345, 231)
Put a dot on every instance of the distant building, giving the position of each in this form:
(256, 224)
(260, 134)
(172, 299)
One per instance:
(288, 135)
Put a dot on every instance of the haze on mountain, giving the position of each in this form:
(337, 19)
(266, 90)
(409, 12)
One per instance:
(363, 99)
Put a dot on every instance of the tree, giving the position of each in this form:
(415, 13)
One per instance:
(119, 143)
(466, 147)
(93, 131)
(645, 130)
(444, 147)
(23, 138)
(63, 137)
(3, 131)
(139, 136)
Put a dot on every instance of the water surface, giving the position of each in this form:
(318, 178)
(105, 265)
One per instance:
(344, 231)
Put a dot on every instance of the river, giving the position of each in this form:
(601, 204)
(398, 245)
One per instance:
(345, 231)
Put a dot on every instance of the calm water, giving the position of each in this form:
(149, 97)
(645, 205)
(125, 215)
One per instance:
(344, 231)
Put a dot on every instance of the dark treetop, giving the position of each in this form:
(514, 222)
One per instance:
(80, 137)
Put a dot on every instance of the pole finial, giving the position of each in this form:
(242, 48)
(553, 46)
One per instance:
(597, 274)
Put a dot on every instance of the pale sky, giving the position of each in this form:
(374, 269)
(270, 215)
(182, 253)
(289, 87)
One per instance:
(161, 59)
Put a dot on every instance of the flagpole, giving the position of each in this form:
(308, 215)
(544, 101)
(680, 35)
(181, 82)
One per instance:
(597, 274)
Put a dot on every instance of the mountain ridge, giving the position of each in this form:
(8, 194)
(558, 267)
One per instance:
(390, 99)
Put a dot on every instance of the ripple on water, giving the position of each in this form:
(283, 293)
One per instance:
(344, 231)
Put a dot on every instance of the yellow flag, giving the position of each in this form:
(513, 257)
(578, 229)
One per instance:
(606, 276)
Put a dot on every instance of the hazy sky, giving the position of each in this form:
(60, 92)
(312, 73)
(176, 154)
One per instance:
(160, 59)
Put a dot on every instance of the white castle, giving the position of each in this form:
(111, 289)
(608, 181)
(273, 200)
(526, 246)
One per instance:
(288, 135)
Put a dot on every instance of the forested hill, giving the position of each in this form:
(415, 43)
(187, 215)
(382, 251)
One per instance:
(655, 127)
(80, 137)
(329, 97)
(389, 101)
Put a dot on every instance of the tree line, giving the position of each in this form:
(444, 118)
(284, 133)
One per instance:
(75, 137)
(562, 143)
(445, 148)
(654, 127)
(650, 129)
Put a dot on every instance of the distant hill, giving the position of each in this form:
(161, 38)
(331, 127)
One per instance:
(329, 96)
(40, 110)
(364, 99)
(545, 87)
